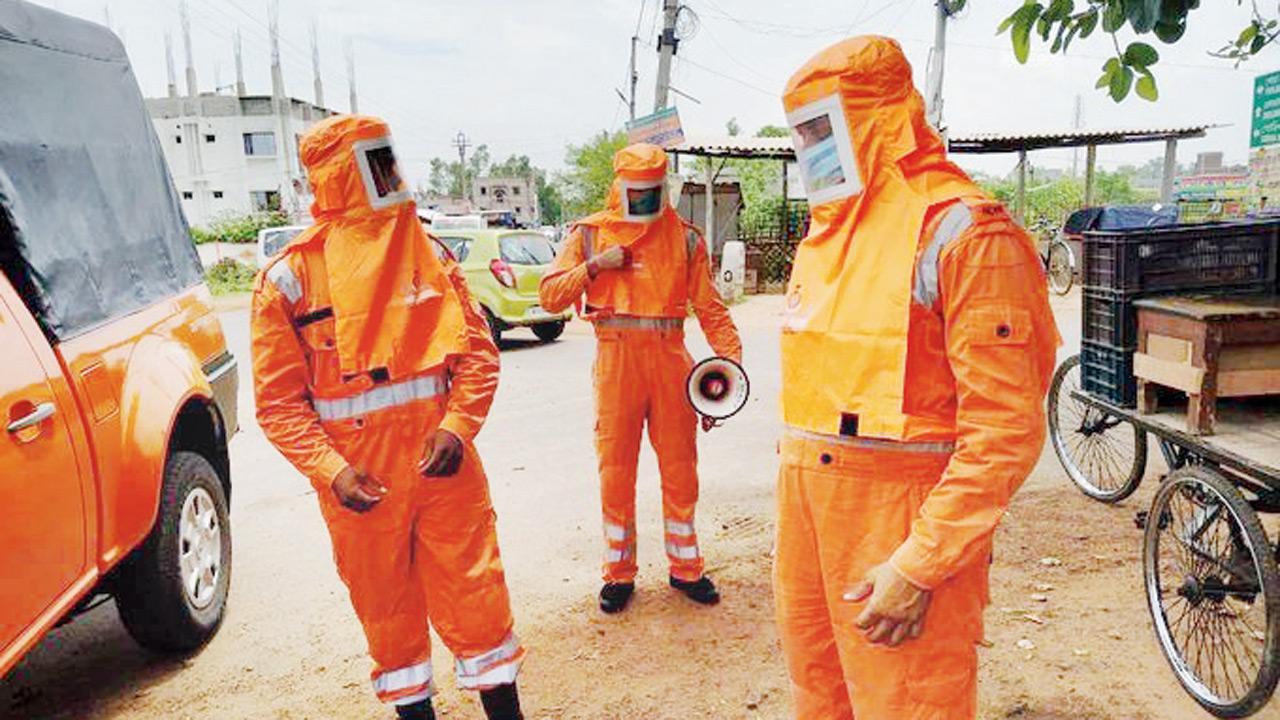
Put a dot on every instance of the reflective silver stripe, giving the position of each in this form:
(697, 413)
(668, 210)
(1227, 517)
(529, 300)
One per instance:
(617, 533)
(682, 552)
(381, 398)
(501, 675)
(953, 224)
(588, 241)
(940, 448)
(682, 529)
(627, 322)
(478, 665)
(416, 697)
(281, 275)
(404, 679)
(614, 555)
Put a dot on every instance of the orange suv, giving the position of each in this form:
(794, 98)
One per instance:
(117, 393)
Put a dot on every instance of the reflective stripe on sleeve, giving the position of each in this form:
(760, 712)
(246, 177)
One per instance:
(381, 398)
(954, 222)
(283, 277)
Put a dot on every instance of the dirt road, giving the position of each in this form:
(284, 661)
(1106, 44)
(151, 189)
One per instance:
(291, 647)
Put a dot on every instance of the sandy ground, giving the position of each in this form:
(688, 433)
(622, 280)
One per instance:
(291, 648)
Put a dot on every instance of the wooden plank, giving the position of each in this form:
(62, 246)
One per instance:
(1260, 357)
(1244, 383)
(1215, 307)
(1173, 349)
(1240, 431)
(1181, 376)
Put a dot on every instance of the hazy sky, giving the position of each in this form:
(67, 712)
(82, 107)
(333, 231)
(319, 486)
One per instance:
(528, 77)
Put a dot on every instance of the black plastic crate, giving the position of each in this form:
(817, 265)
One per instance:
(1109, 317)
(1107, 373)
(1189, 257)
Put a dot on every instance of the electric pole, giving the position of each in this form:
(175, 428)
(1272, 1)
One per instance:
(635, 77)
(462, 143)
(1077, 122)
(667, 45)
(938, 62)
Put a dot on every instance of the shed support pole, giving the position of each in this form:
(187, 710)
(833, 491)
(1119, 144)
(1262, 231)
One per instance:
(786, 206)
(1090, 165)
(1021, 205)
(710, 208)
(1170, 170)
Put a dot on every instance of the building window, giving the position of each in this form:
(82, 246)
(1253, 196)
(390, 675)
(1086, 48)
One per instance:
(177, 139)
(484, 191)
(515, 190)
(260, 144)
(210, 138)
(217, 194)
(517, 209)
(188, 195)
(264, 200)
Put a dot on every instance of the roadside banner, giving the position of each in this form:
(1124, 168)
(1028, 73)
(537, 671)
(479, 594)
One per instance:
(1264, 141)
(661, 128)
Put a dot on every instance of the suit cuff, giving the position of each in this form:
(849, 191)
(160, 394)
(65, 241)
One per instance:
(913, 563)
(327, 470)
(458, 427)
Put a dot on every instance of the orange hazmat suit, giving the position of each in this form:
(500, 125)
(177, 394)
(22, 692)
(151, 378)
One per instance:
(917, 348)
(638, 313)
(364, 345)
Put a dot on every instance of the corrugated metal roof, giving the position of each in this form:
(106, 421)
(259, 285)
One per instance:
(782, 149)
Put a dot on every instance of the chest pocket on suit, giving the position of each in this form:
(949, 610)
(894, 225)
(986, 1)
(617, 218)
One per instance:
(318, 332)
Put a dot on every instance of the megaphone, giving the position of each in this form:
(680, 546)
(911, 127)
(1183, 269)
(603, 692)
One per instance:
(718, 388)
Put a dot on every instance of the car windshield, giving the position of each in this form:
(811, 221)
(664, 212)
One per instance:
(526, 249)
(273, 241)
(460, 248)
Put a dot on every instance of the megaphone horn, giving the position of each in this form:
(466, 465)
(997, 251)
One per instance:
(718, 388)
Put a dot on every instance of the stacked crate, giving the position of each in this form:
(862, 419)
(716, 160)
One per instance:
(1122, 266)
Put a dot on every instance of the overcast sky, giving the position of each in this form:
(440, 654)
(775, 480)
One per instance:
(528, 77)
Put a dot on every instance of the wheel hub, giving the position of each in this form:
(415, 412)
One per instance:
(200, 548)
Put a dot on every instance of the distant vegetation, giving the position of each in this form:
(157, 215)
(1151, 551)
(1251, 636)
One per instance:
(229, 276)
(238, 228)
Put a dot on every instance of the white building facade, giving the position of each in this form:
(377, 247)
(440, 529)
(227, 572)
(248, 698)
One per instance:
(234, 155)
(518, 196)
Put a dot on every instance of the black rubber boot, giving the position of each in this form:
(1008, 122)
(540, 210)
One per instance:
(615, 596)
(420, 710)
(501, 703)
(701, 591)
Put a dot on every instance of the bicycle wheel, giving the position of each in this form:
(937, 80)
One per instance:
(1061, 267)
(1213, 590)
(1105, 456)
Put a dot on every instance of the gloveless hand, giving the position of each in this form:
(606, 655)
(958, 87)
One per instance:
(614, 258)
(356, 492)
(895, 610)
(445, 455)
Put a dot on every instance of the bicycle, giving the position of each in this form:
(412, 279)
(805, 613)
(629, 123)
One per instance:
(1058, 259)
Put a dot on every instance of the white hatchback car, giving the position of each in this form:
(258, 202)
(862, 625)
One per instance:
(272, 240)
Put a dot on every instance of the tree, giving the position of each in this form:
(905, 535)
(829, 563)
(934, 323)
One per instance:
(449, 177)
(586, 183)
(1166, 19)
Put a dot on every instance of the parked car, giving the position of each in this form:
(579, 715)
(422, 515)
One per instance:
(504, 269)
(272, 240)
(118, 393)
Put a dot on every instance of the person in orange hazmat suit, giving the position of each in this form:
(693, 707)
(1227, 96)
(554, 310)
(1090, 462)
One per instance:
(917, 348)
(374, 371)
(640, 267)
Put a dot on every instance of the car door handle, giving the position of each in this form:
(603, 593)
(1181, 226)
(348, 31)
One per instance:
(43, 412)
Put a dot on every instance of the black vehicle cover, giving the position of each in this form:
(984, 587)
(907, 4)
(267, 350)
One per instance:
(97, 230)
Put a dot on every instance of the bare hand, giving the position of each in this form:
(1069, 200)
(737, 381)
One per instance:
(446, 455)
(614, 258)
(896, 609)
(357, 492)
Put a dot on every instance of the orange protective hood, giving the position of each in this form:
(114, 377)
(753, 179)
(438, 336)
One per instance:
(845, 330)
(640, 162)
(393, 304)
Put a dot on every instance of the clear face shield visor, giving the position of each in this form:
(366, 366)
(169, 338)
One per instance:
(824, 151)
(643, 200)
(381, 174)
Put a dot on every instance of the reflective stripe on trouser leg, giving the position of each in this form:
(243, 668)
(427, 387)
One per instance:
(835, 522)
(673, 431)
(621, 401)
(498, 666)
(405, 686)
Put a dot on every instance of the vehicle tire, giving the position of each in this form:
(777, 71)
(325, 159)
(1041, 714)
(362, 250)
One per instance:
(1105, 456)
(1213, 590)
(495, 326)
(1062, 267)
(172, 591)
(548, 332)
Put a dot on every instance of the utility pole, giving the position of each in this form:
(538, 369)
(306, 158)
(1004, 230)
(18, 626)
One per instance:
(635, 77)
(462, 143)
(192, 89)
(937, 64)
(315, 63)
(241, 90)
(352, 99)
(667, 46)
(168, 60)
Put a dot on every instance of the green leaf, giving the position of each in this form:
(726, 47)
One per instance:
(1113, 16)
(1007, 23)
(1021, 35)
(1088, 23)
(1057, 41)
(1060, 10)
(1142, 14)
(1258, 43)
(1044, 27)
(1121, 82)
(1140, 55)
(1146, 87)
(1071, 34)
(1247, 35)
(1109, 69)
(1104, 80)
(1170, 33)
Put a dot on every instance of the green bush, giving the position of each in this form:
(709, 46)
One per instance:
(238, 228)
(229, 276)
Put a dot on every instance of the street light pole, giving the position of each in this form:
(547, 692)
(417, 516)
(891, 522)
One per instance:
(667, 44)
(937, 63)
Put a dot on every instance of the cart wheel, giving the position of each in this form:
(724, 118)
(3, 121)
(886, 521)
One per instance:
(1213, 589)
(1061, 266)
(1105, 456)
